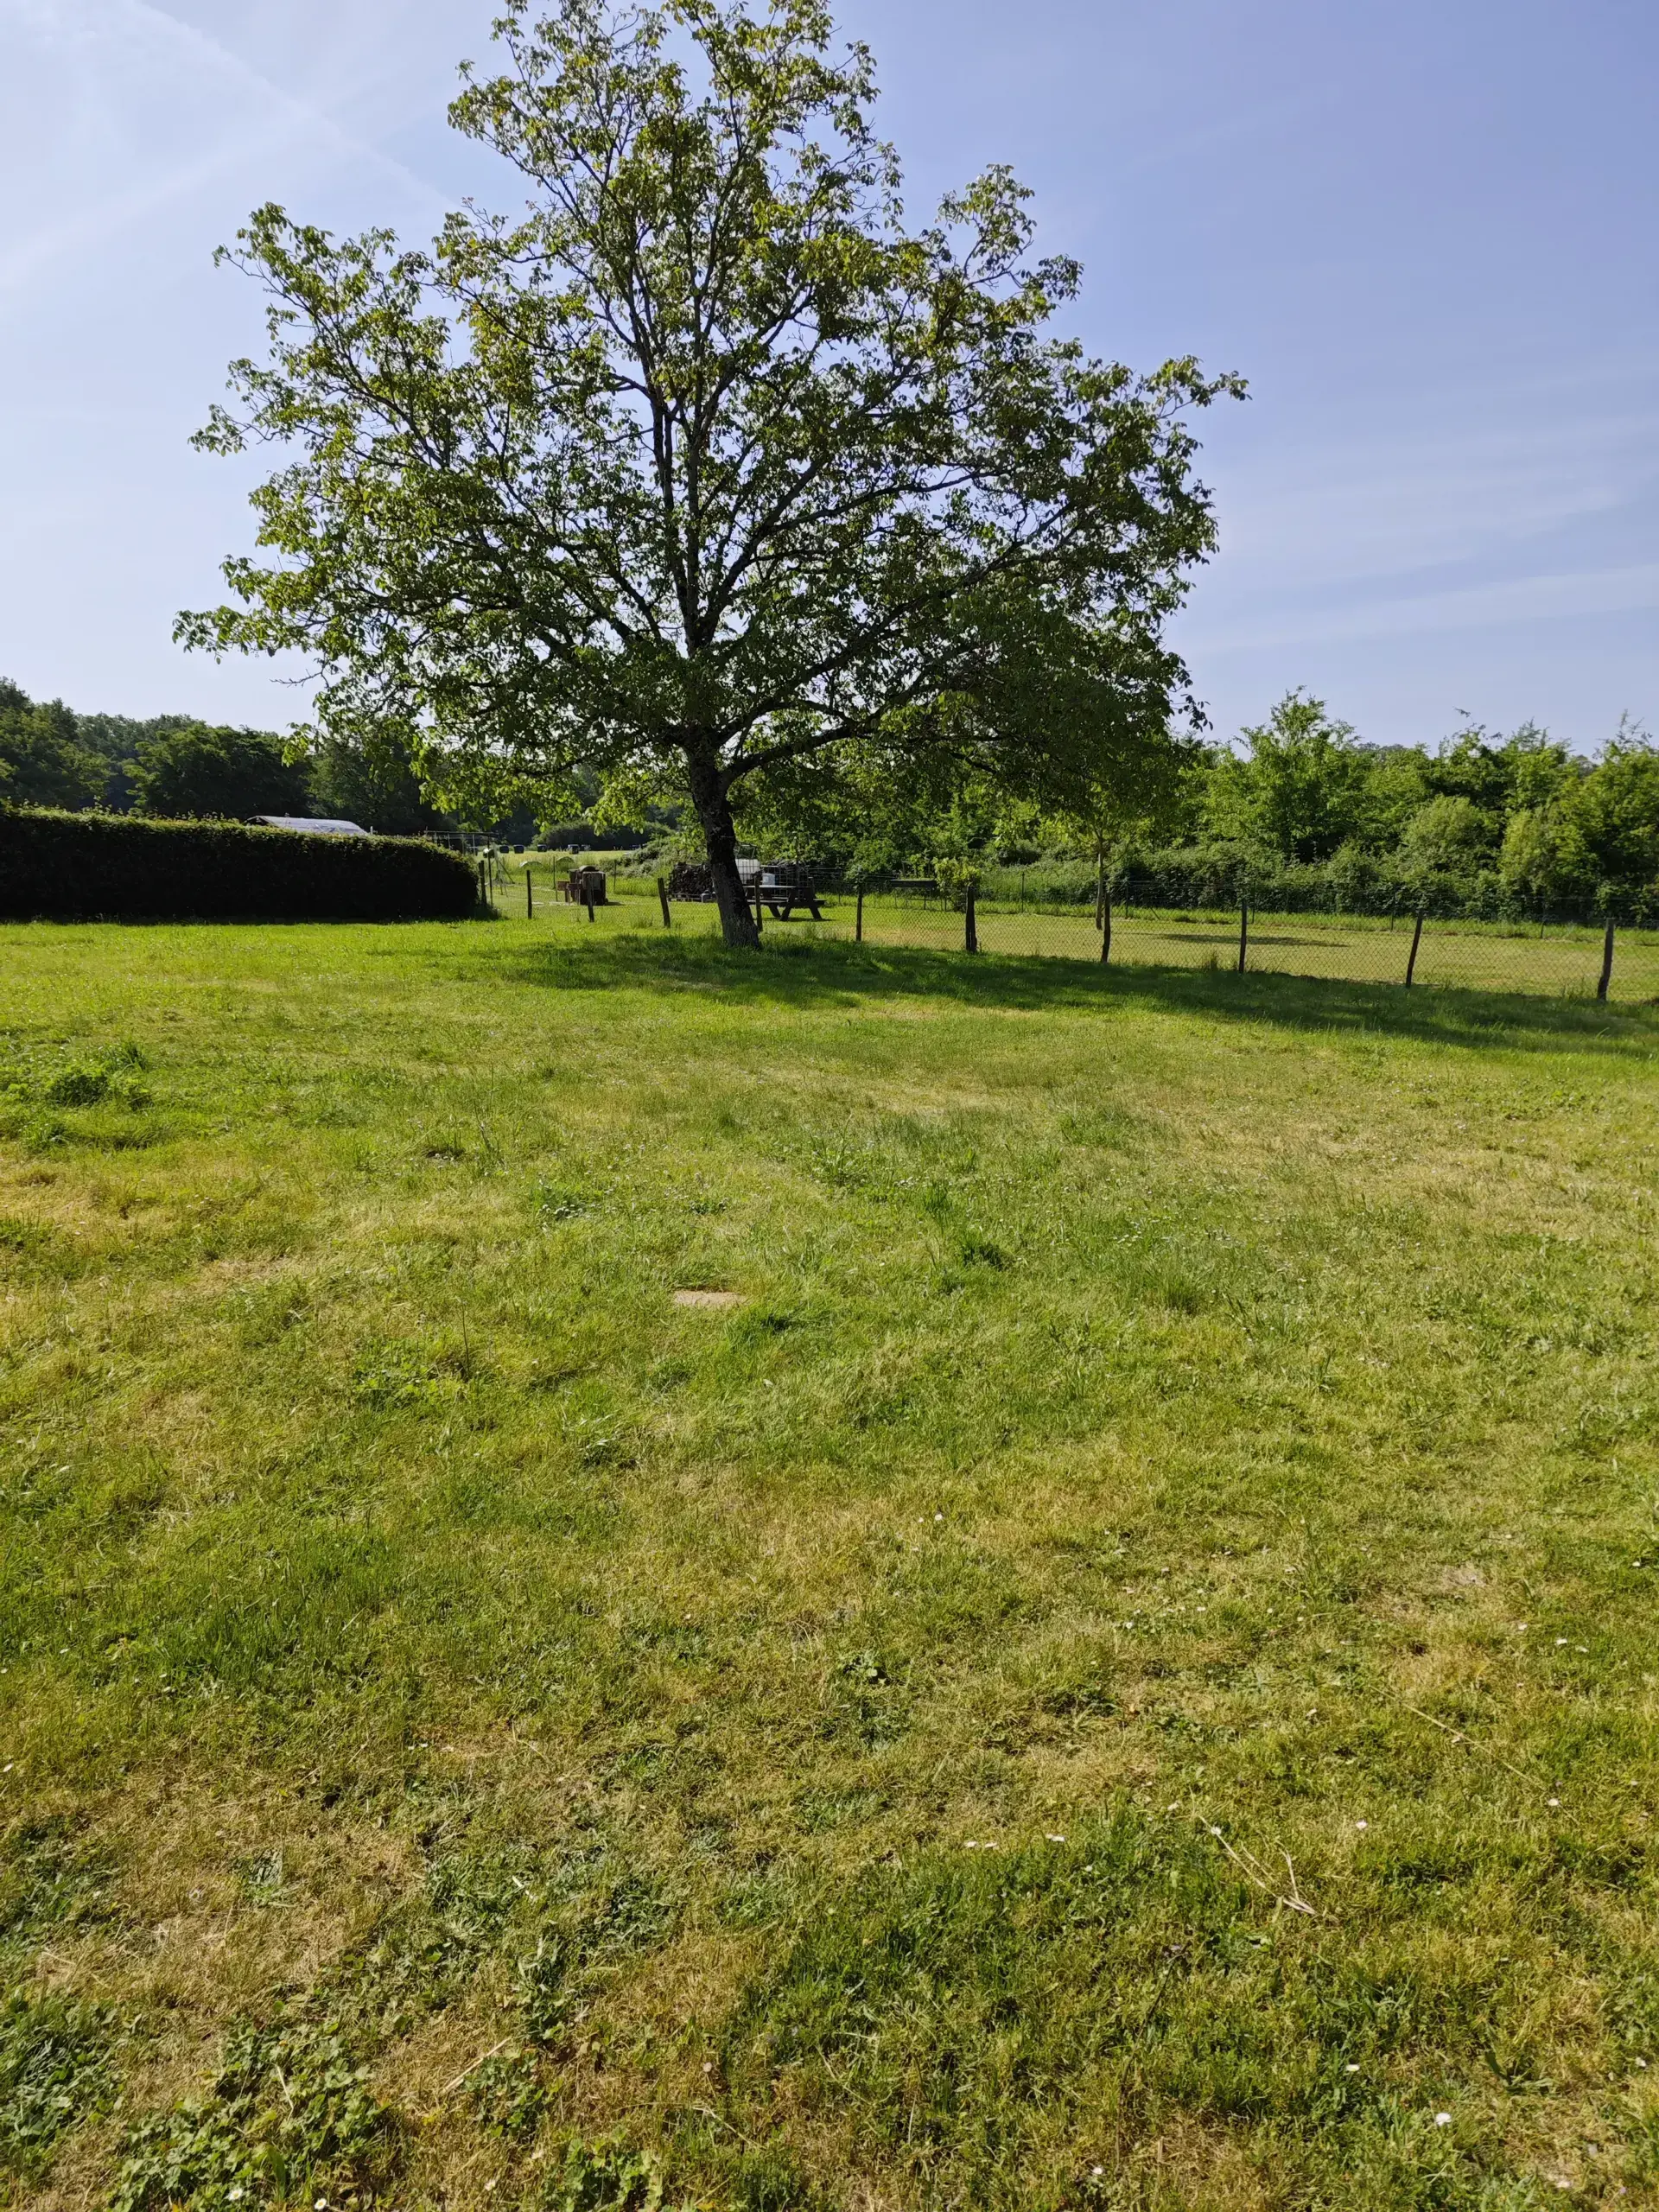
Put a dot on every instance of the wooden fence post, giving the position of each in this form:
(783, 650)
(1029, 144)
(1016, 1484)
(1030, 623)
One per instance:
(970, 923)
(1411, 957)
(1243, 932)
(858, 918)
(530, 899)
(662, 893)
(1606, 964)
(587, 897)
(1105, 927)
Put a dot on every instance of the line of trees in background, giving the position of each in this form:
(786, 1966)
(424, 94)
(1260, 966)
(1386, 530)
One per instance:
(1306, 816)
(176, 767)
(1301, 815)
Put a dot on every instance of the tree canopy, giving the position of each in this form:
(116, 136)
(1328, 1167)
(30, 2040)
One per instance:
(199, 771)
(1301, 789)
(43, 759)
(1482, 823)
(708, 466)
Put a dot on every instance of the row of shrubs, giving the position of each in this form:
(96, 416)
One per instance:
(1350, 882)
(61, 867)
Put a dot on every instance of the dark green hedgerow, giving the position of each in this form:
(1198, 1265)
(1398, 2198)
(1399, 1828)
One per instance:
(57, 867)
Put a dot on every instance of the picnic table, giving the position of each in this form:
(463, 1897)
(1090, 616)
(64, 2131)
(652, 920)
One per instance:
(781, 892)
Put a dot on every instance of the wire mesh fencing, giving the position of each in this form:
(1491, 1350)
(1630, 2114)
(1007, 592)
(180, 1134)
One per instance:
(1577, 958)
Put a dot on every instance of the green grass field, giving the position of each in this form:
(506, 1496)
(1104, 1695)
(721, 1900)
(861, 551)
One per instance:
(1560, 961)
(1119, 1672)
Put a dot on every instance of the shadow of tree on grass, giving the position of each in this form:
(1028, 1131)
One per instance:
(806, 973)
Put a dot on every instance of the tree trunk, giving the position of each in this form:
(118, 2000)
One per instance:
(737, 923)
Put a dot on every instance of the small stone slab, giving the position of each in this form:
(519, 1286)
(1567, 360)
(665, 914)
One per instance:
(719, 1298)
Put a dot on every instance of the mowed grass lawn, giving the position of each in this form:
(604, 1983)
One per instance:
(1121, 1673)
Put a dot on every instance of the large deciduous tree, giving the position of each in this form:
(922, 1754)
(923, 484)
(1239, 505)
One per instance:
(705, 464)
(195, 770)
(1301, 792)
(43, 760)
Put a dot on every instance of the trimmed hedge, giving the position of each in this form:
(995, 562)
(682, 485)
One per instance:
(56, 867)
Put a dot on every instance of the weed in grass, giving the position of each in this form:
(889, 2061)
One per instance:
(550, 1926)
(289, 2111)
(506, 2091)
(609, 2175)
(54, 2074)
(52, 1881)
(404, 1374)
(555, 1201)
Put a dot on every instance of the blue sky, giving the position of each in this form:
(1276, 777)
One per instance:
(1426, 232)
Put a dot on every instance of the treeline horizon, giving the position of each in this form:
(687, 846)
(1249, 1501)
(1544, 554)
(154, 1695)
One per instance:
(1304, 814)
(1298, 812)
(182, 767)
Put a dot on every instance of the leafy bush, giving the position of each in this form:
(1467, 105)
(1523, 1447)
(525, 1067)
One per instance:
(607, 2176)
(955, 879)
(53, 2073)
(288, 2109)
(1424, 877)
(60, 866)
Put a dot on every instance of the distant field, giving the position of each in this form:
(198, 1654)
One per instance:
(1118, 1671)
(1475, 955)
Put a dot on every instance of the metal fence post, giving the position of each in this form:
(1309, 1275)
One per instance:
(970, 926)
(1606, 964)
(1411, 957)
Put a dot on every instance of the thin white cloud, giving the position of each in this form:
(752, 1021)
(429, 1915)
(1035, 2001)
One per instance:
(193, 90)
(1422, 496)
(304, 114)
(1479, 607)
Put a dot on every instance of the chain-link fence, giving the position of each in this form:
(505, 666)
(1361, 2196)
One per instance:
(1579, 957)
